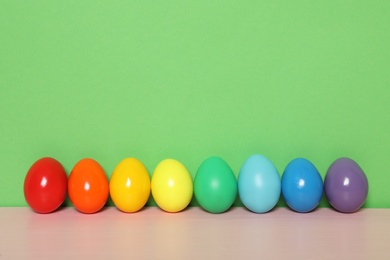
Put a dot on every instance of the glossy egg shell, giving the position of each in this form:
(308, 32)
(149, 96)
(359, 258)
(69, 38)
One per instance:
(259, 184)
(302, 185)
(130, 185)
(172, 186)
(215, 186)
(45, 185)
(88, 186)
(346, 185)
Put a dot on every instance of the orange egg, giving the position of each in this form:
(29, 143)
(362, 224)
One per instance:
(88, 186)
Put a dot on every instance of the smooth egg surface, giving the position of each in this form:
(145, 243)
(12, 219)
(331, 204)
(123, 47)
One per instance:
(172, 185)
(88, 186)
(215, 186)
(346, 185)
(259, 184)
(45, 185)
(130, 185)
(302, 185)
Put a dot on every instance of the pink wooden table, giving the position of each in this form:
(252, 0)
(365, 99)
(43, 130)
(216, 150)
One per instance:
(194, 234)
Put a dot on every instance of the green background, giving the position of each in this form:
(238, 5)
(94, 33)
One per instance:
(191, 79)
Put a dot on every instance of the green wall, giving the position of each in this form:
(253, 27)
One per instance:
(191, 79)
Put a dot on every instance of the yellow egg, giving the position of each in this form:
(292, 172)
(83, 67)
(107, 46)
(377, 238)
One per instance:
(130, 185)
(172, 186)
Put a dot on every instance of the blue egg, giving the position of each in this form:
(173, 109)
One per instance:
(302, 185)
(259, 184)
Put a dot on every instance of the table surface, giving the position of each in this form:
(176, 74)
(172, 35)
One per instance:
(195, 234)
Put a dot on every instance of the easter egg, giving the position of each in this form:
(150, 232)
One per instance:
(171, 186)
(346, 185)
(302, 185)
(45, 185)
(215, 186)
(88, 186)
(130, 185)
(259, 184)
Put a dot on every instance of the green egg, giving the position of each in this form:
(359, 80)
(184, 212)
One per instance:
(215, 186)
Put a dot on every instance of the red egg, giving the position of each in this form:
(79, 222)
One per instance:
(45, 185)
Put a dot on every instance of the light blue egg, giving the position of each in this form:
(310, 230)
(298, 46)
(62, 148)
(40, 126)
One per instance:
(259, 184)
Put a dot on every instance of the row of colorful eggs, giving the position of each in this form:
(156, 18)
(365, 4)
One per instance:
(215, 186)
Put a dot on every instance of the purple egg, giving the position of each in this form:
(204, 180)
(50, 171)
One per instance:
(346, 185)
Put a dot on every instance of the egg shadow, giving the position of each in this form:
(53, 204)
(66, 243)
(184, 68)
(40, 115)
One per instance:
(281, 202)
(61, 209)
(194, 202)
